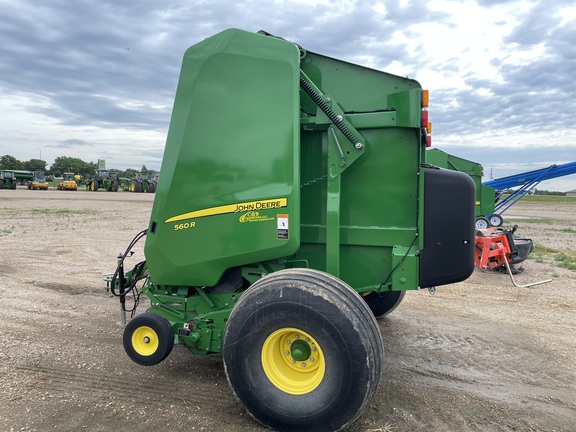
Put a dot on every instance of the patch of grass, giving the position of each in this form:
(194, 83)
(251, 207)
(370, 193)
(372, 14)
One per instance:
(549, 198)
(544, 250)
(6, 231)
(566, 260)
(569, 230)
(529, 220)
(64, 212)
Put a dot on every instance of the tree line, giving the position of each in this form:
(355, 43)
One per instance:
(64, 164)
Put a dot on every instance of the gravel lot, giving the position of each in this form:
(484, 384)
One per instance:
(480, 355)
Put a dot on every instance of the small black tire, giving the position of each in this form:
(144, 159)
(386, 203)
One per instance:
(283, 386)
(384, 303)
(94, 185)
(496, 220)
(482, 222)
(148, 339)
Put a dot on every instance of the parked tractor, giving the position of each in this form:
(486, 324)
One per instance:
(7, 180)
(143, 183)
(103, 179)
(295, 209)
(68, 182)
(38, 182)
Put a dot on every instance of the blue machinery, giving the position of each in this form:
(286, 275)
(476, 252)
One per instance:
(527, 181)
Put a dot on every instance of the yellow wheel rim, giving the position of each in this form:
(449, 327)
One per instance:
(145, 341)
(131, 187)
(293, 361)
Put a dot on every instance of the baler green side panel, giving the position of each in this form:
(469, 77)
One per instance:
(379, 215)
(228, 192)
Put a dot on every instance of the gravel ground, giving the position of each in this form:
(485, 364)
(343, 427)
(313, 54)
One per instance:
(480, 355)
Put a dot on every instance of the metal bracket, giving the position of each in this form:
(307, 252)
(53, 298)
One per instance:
(522, 286)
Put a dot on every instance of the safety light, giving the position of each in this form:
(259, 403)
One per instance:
(429, 128)
(425, 98)
(425, 118)
(428, 141)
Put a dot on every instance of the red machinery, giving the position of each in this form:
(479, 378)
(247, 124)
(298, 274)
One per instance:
(500, 249)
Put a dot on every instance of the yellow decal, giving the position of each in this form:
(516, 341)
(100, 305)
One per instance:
(254, 216)
(232, 208)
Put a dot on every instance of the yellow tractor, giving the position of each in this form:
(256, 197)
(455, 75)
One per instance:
(68, 182)
(38, 181)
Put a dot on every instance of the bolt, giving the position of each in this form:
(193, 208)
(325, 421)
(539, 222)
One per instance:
(293, 361)
(146, 339)
(328, 100)
(287, 352)
(339, 118)
(313, 348)
(303, 365)
(288, 342)
(296, 337)
(358, 145)
(311, 359)
(307, 339)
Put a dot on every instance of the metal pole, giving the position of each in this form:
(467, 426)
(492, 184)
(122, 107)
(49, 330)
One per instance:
(121, 289)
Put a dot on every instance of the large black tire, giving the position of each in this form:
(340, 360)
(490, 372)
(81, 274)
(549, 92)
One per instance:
(114, 186)
(94, 185)
(302, 351)
(1, 184)
(381, 304)
(148, 339)
(14, 184)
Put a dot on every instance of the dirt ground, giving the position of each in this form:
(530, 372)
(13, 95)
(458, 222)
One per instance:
(480, 355)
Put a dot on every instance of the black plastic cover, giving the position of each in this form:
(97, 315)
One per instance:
(449, 227)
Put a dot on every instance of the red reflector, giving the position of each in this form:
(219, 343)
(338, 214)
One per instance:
(424, 118)
(428, 141)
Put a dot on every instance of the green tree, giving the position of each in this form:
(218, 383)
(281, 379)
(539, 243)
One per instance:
(64, 164)
(130, 173)
(10, 163)
(34, 165)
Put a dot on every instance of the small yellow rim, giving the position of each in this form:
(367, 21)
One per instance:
(145, 341)
(291, 371)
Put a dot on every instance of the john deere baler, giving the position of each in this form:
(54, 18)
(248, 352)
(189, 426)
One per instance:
(294, 207)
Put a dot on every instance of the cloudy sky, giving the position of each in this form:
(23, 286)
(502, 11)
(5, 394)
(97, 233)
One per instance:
(96, 78)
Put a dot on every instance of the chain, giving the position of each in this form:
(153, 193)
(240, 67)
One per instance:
(316, 180)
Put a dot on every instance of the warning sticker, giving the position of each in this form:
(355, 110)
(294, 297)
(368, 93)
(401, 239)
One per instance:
(282, 226)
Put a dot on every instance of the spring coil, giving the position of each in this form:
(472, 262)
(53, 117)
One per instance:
(329, 113)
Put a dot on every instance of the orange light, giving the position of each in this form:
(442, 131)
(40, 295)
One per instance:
(429, 129)
(425, 98)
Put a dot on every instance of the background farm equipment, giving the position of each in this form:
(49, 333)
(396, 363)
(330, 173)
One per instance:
(307, 217)
(525, 183)
(38, 181)
(143, 183)
(494, 197)
(124, 183)
(68, 182)
(500, 249)
(103, 179)
(7, 180)
(486, 216)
